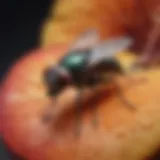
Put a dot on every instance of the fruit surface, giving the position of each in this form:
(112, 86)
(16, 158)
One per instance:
(121, 133)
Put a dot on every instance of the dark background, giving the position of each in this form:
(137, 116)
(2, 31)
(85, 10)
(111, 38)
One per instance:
(20, 22)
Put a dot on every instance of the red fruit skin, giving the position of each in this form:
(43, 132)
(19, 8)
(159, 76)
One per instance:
(122, 134)
(23, 87)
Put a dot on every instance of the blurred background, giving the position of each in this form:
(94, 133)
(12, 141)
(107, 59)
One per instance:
(20, 23)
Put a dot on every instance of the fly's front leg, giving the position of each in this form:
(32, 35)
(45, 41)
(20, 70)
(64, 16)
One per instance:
(94, 81)
(49, 115)
(95, 107)
(78, 105)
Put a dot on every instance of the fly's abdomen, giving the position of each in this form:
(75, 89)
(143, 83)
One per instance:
(110, 65)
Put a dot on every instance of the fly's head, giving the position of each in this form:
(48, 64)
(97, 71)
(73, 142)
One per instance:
(56, 79)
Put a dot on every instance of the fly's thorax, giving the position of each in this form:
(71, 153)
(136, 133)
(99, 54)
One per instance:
(76, 61)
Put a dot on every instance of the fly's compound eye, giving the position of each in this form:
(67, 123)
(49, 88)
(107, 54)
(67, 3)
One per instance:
(51, 79)
(50, 75)
(56, 79)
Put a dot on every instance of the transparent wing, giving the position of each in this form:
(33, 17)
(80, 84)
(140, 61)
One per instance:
(108, 49)
(87, 39)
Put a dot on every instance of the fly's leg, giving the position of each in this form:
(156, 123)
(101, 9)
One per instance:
(94, 106)
(49, 115)
(78, 111)
(123, 99)
(95, 113)
(121, 96)
(95, 80)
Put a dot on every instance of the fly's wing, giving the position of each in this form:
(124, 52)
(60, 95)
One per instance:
(86, 40)
(107, 49)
